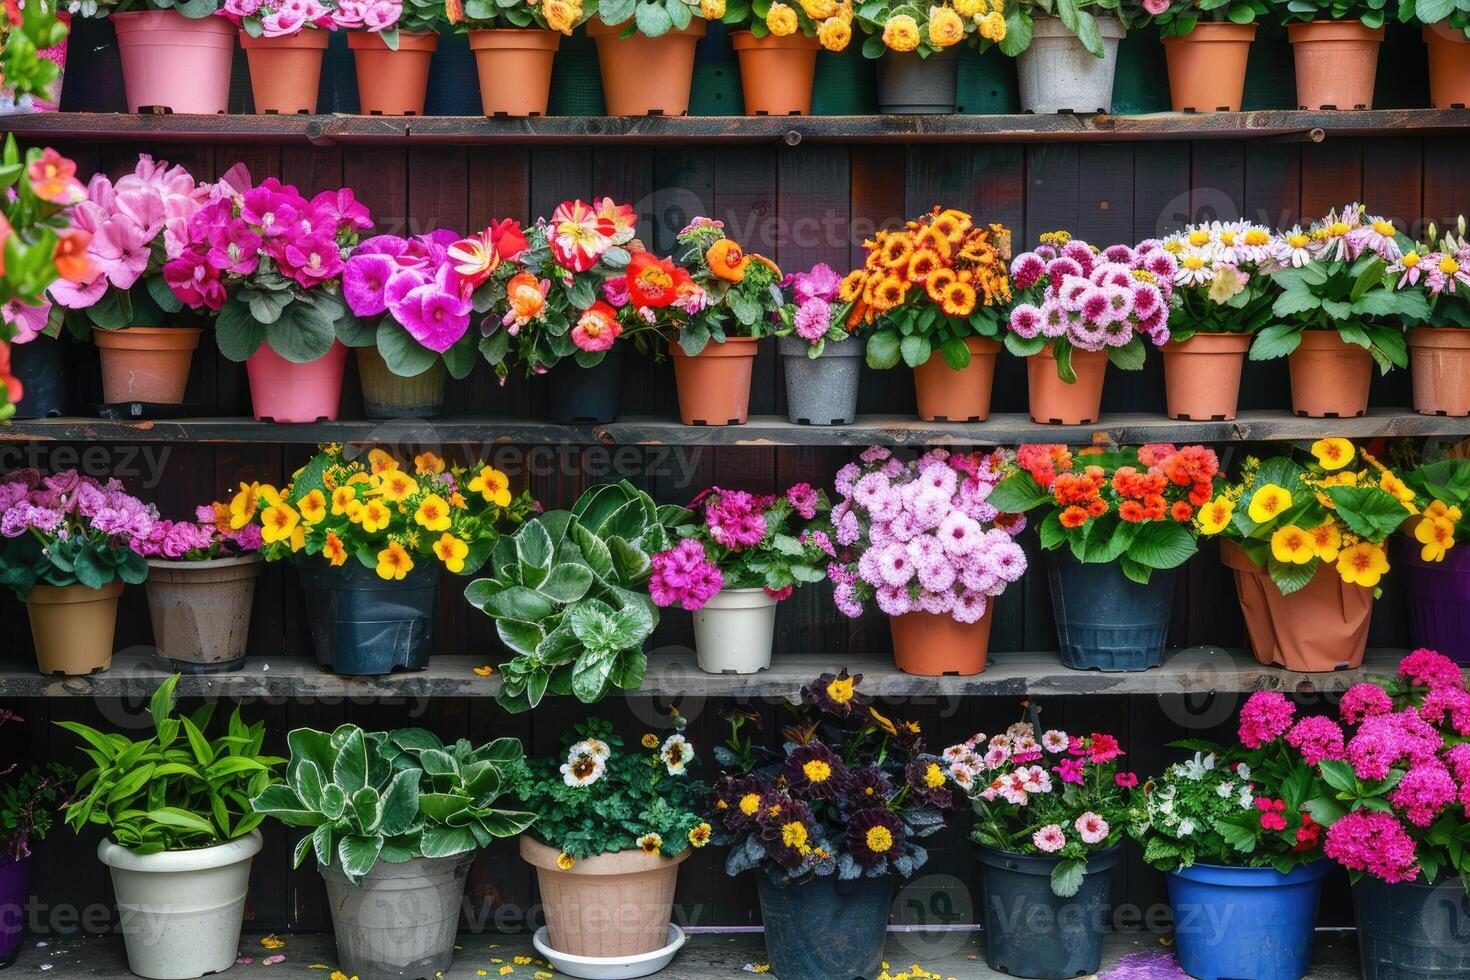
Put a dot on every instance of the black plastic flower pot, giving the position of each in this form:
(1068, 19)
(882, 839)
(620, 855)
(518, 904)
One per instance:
(1030, 931)
(362, 624)
(825, 929)
(41, 370)
(1412, 930)
(1105, 620)
(578, 395)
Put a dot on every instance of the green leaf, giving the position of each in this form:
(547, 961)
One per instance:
(1066, 877)
(237, 333)
(170, 816)
(883, 348)
(404, 356)
(302, 334)
(915, 350)
(1131, 356)
(1277, 340)
(567, 582)
(1162, 544)
(358, 855)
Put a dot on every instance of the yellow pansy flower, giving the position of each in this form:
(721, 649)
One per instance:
(277, 522)
(1333, 453)
(380, 462)
(426, 463)
(493, 485)
(451, 551)
(1213, 516)
(1292, 545)
(1401, 490)
(393, 562)
(374, 516)
(1269, 503)
(341, 498)
(333, 550)
(1443, 510)
(1362, 564)
(397, 486)
(1326, 539)
(314, 507)
(433, 513)
(298, 538)
(1437, 535)
(243, 504)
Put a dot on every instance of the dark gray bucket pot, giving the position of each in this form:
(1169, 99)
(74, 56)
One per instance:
(40, 367)
(1105, 620)
(399, 922)
(826, 929)
(911, 85)
(824, 390)
(578, 395)
(1030, 932)
(1412, 930)
(361, 624)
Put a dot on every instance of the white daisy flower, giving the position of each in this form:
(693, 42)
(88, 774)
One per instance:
(582, 770)
(594, 747)
(677, 754)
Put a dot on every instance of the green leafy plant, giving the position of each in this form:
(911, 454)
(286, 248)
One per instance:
(25, 807)
(1179, 17)
(568, 599)
(1371, 13)
(1452, 13)
(1078, 16)
(177, 789)
(651, 18)
(391, 796)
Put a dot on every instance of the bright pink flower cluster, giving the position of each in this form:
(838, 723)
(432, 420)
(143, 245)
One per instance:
(1375, 842)
(812, 295)
(1095, 300)
(282, 18)
(683, 576)
(68, 504)
(199, 540)
(1265, 718)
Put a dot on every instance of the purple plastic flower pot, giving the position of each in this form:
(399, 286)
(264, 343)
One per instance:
(1439, 600)
(14, 881)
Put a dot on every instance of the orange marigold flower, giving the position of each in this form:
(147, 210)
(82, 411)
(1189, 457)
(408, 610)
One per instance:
(1097, 507)
(959, 299)
(939, 280)
(889, 293)
(1181, 511)
(922, 263)
(1132, 512)
(852, 285)
(727, 260)
(1073, 516)
(896, 250)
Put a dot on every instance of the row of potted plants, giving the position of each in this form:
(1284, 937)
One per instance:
(829, 820)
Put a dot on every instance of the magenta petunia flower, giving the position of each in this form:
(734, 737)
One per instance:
(433, 317)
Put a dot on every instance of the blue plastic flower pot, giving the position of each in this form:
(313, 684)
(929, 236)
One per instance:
(1031, 932)
(1105, 620)
(361, 624)
(1412, 930)
(1245, 922)
(826, 929)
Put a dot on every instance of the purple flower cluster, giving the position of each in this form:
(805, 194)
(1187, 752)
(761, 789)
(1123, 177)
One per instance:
(1095, 300)
(66, 505)
(412, 280)
(197, 541)
(920, 537)
(813, 293)
(683, 576)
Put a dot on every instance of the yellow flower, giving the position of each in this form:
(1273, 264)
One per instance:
(699, 835)
(1213, 516)
(817, 771)
(333, 550)
(341, 497)
(1326, 540)
(650, 741)
(835, 34)
(393, 562)
(1362, 564)
(277, 522)
(560, 15)
(484, 671)
(946, 27)
(314, 507)
(1292, 545)
(493, 485)
(1333, 453)
(750, 804)
(380, 462)
(712, 9)
(397, 486)
(819, 9)
(433, 513)
(901, 33)
(841, 689)
(934, 776)
(243, 504)
(879, 840)
(298, 538)
(373, 516)
(970, 8)
(1437, 535)
(794, 835)
(451, 551)
(565, 861)
(882, 722)
(782, 21)
(1392, 484)
(993, 26)
(1441, 509)
(1269, 503)
(427, 463)
(651, 843)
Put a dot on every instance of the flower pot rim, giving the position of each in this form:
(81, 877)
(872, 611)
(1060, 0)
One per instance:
(596, 28)
(148, 338)
(61, 595)
(407, 41)
(1224, 32)
(308, 38)
(1332, 30)
(116, 856)
(795, 346)
(1052, 27)
(1446, 336)
(737, 600)
(1097, 862)
(1303, 872)
(229, 561)
(516, 38)
(543, 857)
(747, 41)
(731, 347)
(1048, 353)
(1443, 32)
(1222, 342)
(412, 868)
(205, 25)
(1330, 339)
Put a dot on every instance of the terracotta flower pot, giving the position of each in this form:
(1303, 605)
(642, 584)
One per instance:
(283, 391)
(386, 395)
(1439, 360)
(1207, 66)
(714, 387)
(1319, 627)
(146, 364)
(934, 644)
(1336, 63)
(776, 72)
(1449, 66)
(646, 76)
(285, 72)
(201, 611)
(173, 62)
(1054, 401)
(392, 83)
(947, 395)
(610, 905)
(1202, 375)
(1329, 376)
(72, 627)
(515, 69)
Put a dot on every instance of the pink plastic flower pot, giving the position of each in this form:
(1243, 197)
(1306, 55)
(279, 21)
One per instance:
(281, 391)
(173, 62)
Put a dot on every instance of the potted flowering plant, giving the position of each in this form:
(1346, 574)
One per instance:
(1307, 541)
(828, 822)
(738, 556)
(1220, 299)
(136, 225)
(935, 287)
(917, 48)
(1445, 35)
(514, 45)
(1339, 309)
(284, 42)
(268, 263)
(1335, 46)
(181, 833)
(393, 43)
(176, 54)
(26, 800)
(1051, 809)
(925, 542)
(1066, 53)
(1079, 308)
(411, 301)
(645, 49)
(1438, 590)
(1231, 830)
(820, 352)
(607, 886)
(1205, 48)
(1119, 525)
(69, 546)
(1439, 344)
(394, 820)
(776, 44)
(369, 538)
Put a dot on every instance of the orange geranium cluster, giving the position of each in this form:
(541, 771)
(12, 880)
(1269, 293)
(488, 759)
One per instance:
(1169, 482)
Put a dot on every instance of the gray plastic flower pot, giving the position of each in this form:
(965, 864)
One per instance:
(1032, 932)
(1412, 930)
(1105, 620)
(822, 390)
(825, 929)
(401, 920)
(1057, 74)
(911, 85)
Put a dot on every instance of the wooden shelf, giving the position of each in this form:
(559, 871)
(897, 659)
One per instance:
(674, 674)
(328, 130)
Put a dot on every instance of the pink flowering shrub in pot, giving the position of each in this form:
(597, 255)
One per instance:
(1051, 809)
(741, 555)
(284, 41)
(922, 541)
(268, 262)
(820, 359)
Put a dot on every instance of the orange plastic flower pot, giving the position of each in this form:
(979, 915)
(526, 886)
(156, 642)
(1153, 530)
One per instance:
(1449, 67)
(285, 72)
(1329, 376)
(392, 83)
(515, 69)
(146, 364)
(646, 76)
(947, 395)
(1439, 360)
(1207, 66)
(776, 72)
(1055, 402)
(714, 386)
(73, 626)
(1336, 63)
(933, 644)
(1320, 627)
(1202, 375)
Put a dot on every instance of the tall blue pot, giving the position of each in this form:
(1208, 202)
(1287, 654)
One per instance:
(1105, 620)
(826, 929)
(1245, 922)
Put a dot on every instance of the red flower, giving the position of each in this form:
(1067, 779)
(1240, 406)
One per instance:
(652, 281)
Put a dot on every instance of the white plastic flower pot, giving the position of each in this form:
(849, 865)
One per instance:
(181, 910)
(734, 631)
